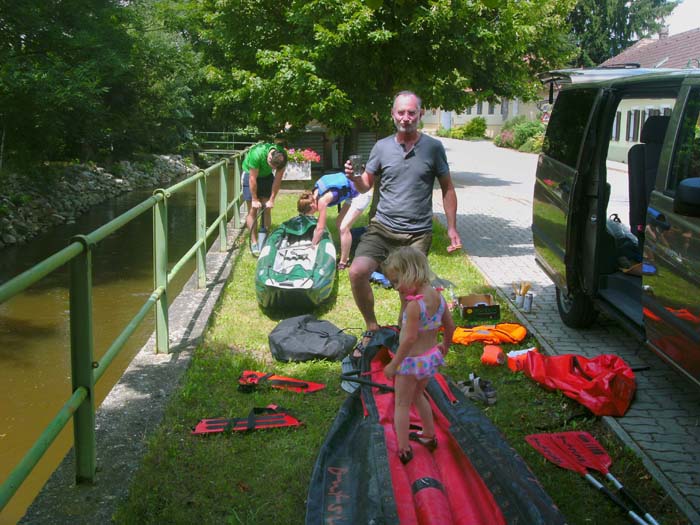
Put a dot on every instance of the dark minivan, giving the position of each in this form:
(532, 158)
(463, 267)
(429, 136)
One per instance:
(616, 213)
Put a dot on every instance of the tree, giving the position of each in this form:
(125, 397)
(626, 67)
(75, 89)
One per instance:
(164, 71)
(341, 61)
(89, 79)
(605, 28)
(58, 59)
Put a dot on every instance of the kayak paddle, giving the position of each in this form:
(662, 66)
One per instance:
(546, 445)
(590, 453)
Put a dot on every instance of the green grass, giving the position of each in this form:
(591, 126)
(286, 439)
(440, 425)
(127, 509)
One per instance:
(262, 477)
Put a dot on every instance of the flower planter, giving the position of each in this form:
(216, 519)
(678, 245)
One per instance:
(298, 171)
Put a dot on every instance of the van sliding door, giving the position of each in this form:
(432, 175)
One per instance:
(671, 297)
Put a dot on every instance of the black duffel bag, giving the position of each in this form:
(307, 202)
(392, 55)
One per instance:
(303, 338)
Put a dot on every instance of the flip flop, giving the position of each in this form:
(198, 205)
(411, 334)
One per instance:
(351, 363)
(360, 346)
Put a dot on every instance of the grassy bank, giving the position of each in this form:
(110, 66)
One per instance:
(262, 477)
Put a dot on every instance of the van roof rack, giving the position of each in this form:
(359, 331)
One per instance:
(624, 65)
(575, 75)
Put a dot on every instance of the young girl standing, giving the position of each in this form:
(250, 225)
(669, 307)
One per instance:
(423, 312)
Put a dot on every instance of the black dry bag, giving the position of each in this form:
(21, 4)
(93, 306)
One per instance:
(304, 338)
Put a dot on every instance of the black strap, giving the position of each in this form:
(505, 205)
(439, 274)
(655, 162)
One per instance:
(252, 416)
(286, 382)
(426, 483)
(231, 424)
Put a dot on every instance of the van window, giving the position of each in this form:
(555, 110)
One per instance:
(629, 121)
(686, 158)
(568, 124)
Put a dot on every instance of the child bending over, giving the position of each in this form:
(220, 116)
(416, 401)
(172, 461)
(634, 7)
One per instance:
(419, 355)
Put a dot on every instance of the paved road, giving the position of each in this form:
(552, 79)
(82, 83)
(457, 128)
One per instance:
(494, 191)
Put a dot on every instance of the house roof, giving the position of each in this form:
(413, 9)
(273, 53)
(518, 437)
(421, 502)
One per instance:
(676, 51)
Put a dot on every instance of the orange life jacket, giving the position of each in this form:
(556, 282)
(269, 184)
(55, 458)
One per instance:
(490, 334)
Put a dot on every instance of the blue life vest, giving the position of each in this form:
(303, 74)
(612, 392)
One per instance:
(338, 183)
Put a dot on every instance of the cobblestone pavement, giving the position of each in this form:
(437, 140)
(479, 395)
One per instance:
(494, 191)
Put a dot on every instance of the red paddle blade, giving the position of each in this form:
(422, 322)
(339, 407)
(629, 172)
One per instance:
(584, 447)
(550, 449)
(252, 378)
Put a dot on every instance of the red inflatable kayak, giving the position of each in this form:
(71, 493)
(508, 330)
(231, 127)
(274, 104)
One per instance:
(473, 477)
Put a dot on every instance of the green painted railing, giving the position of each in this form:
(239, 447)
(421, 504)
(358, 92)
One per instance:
(219, 142)
(85, 372)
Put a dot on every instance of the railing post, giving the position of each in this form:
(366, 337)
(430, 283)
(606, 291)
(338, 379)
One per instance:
(237, 191)
(223, 201)
(160, 269)
(81, 343)
(201, 229)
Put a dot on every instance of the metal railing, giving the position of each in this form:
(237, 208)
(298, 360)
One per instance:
(85, 372)
(220, 142)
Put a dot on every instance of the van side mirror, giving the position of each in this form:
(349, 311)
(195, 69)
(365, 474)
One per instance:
(687, 199)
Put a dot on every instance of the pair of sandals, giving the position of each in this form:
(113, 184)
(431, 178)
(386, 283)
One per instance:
(343, 265)
(477, 389)
(428, 442)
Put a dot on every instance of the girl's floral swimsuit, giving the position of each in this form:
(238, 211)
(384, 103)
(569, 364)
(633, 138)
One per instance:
(426, 364)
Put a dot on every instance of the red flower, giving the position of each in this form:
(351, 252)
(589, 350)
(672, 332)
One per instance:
(298, 155)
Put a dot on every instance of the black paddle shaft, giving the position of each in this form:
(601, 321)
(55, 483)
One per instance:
(353, 378)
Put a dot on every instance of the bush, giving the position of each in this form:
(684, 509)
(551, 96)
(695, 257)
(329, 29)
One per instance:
(504, 139)
(533, 144)
(511, 123)
(525, 130)
(474, 129)
(442, 132)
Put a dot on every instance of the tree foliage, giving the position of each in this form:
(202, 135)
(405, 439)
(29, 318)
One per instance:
(603, 29)
(97, 78)
(88, 78)
(339, 62)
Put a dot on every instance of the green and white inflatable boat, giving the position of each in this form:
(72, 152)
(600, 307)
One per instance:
(292, 274)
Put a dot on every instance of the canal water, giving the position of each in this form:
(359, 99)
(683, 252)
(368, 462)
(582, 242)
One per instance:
(34, 326)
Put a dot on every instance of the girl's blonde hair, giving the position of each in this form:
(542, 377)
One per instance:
(305, 201)
(409, 265)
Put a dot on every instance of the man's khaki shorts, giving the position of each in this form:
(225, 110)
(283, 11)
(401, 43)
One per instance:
(378, 241)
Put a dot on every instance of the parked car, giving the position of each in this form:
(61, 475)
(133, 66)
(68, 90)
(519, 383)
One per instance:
(616, 210)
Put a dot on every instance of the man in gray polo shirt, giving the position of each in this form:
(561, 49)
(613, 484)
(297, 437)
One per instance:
(407, 165)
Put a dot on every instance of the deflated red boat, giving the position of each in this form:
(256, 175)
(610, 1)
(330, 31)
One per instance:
(473, 477)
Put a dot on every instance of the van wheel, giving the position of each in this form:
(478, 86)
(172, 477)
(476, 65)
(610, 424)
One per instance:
(576, 310)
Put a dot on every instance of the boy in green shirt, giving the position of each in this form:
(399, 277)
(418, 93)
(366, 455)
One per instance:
(260, 186)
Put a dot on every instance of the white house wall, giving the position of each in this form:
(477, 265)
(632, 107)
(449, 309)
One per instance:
(434, 118)
(638, 109)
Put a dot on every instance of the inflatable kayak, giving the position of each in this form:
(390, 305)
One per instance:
(473, 477)
(291, 273)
